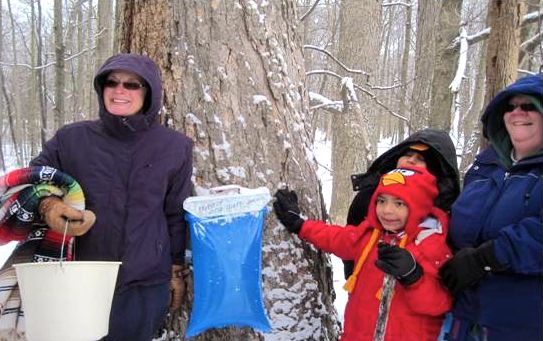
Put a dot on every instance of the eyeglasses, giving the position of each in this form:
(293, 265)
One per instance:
(523, 107)
(111, 83)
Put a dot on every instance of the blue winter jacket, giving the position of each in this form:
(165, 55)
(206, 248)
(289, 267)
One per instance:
(503, 202)
(135, 174)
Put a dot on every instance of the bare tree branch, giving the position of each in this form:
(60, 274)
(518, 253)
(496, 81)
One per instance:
(39, 67)
(529, 18)
(530, 45)
(346, 68)
(367, 92)
(310, 10)
(381, 104)
(323, 72)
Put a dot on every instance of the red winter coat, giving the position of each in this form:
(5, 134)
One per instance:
(416, 312)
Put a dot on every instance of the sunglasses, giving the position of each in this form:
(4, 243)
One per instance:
(523, 107)
(111, 83)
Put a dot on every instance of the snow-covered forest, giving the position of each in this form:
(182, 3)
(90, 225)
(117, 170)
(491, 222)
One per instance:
(260, 86)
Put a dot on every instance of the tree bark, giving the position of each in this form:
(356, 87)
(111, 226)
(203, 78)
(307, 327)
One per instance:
(352, 141)
(233, 80)
(445, 65)
(104, 43)
(504, 17)
(424, 68)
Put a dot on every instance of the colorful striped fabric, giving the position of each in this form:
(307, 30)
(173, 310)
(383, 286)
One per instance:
(20, 193)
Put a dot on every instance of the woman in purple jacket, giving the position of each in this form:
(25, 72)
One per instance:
(135, 173)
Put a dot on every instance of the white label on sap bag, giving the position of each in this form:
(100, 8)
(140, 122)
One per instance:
(249, 200)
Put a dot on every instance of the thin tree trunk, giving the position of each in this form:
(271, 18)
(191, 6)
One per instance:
(445, 65)
(12, 116)
(105, 28)
(405, 67)
(424, 68)
(472, 135)
(118, 12)
(80, 79)
(5, 95)
(58, 109)
(35, 84)
(91, 66)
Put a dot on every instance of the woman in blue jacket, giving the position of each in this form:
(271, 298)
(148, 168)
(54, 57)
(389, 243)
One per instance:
(135, 173)
(497, 224)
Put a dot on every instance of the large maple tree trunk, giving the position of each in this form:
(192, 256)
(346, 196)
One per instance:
(233, 76)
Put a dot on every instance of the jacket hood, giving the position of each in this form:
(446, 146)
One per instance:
(415, 186)
(147, 69)
(440, 159)
(492, 119)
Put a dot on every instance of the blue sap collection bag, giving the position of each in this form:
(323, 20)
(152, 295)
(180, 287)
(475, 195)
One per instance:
(226, 237)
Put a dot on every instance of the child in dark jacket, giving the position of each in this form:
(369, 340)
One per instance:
(395, 293)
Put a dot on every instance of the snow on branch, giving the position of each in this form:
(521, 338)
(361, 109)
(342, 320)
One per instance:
(530, 45)
(348, 83)
(318, 101)
(462, 61)
(356, 86)
(526, 72)
(384, 87)
(529, 18)
(398, 3)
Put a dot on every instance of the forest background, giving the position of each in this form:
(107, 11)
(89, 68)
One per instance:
(257, 84)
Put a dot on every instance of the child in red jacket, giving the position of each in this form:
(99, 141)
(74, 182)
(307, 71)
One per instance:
(395, 293)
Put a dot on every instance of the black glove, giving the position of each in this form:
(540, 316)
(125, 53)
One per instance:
(469, 266)
(287, 210)
(399, 263)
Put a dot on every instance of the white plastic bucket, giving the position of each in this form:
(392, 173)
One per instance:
(68, 301)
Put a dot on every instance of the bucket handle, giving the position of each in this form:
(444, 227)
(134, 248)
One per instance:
(63, 241)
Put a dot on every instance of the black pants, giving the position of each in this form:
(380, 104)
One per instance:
(137, 313)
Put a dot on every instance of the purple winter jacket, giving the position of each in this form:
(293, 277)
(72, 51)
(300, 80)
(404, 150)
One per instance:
(135, 174)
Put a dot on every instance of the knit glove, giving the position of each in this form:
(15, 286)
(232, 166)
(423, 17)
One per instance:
(399, 263)
(287, 210)
(469, 266)
(55, 213)
(177, 286)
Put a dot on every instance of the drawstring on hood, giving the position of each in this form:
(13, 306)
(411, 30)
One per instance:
(145, 68)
